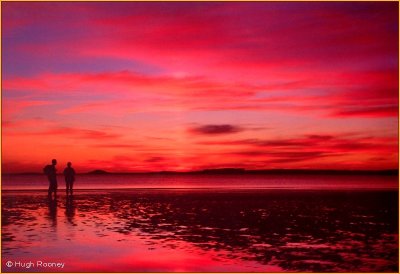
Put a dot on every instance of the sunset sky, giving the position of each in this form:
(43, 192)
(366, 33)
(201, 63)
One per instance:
(187, 86)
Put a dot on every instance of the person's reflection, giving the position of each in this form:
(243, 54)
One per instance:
(52, 204)
(70, 209)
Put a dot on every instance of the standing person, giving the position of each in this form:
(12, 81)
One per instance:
(69, 174)
(51, 172)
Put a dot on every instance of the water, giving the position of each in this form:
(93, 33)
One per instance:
(196, 230)
(202, 223)
(190, 181)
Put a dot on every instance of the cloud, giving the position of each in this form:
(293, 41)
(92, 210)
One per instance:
(155, 159)
(283, 156)
(155, 67)
(11, 107)
(84, 133)
(312, 145)
(76, 133)
(116, 146)
(368, 111)
(345, 95)
(317, 151)
(239, 40)
(21, 124)
(215, 129)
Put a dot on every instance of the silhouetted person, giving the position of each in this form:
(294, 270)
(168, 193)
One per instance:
(51, 172)
(69, 174)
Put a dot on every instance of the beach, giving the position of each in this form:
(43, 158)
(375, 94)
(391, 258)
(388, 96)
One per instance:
(200, 230)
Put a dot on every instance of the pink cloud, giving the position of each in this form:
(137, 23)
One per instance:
(374, 111)
(310, 147)
(71, 132)
(15, 106)
(219, 66)
(168, 93)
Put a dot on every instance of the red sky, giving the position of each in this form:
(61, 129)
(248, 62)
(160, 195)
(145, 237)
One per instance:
(186, 86)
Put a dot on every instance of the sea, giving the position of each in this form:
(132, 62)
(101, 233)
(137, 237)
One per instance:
(201, 223)
(206, 181)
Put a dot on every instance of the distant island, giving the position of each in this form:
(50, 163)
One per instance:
(99, 171)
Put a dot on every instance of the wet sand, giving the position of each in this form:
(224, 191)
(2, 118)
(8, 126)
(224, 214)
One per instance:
(201, 231)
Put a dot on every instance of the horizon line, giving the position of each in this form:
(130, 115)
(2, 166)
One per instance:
(229, 171)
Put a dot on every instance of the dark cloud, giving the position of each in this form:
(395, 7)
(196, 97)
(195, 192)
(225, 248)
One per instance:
(155, 159)
(113, 145)
(215, 129)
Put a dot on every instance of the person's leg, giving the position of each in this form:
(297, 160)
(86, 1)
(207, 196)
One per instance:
(50, 189)
(66, 186)
(55, 189)
(71, 186)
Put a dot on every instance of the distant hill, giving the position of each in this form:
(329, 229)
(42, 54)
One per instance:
(222, 171)
(98, 171)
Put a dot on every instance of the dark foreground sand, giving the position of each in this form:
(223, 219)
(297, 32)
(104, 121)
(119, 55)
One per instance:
(201, 230)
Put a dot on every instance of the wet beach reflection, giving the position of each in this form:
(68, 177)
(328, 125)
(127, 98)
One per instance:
(318, 231)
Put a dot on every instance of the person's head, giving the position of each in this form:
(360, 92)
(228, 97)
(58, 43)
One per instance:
(69, 164)
(54, 161)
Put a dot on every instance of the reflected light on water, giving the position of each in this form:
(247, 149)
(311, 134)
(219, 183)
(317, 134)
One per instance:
(197, 231)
